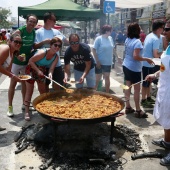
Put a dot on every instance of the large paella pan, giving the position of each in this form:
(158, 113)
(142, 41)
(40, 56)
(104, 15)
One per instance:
(80, 105)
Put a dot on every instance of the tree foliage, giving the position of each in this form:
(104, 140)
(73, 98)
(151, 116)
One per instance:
(114, 21)
(82, 2)
(4, 14)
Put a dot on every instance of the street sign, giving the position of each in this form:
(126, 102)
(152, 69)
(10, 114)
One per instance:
(109, 7)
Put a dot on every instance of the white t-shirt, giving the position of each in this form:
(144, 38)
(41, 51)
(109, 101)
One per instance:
(42, 34)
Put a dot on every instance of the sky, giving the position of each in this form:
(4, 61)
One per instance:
(13, 4)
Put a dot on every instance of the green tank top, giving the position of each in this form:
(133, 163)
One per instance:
(28, 41)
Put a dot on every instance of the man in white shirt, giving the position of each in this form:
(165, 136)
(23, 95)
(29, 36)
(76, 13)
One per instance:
(43, 38)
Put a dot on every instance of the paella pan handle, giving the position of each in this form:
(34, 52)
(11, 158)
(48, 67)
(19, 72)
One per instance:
(59, 120)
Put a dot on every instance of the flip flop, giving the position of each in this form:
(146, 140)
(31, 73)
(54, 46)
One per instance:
(27, 117)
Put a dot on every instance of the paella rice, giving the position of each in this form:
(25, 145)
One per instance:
(79, 106)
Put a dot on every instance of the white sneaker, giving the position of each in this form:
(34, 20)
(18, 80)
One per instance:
(10, 112)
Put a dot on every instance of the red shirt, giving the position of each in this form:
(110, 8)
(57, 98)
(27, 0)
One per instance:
(142, 37)
(4, 37)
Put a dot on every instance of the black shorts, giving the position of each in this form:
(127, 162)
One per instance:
(58, 75)
(146, 71)
(156, 68)
(131, 76)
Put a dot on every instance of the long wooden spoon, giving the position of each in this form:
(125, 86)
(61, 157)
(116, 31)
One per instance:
(125, 87)
(55, 82)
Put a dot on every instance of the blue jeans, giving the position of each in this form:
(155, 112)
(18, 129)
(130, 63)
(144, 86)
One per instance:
(90, 78)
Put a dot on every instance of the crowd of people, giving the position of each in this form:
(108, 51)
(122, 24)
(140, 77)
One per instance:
(42, 47)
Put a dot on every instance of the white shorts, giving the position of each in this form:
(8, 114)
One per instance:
(18, 69)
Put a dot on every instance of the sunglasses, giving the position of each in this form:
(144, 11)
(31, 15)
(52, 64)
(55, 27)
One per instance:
(57, 45)
(74, 43)
(17, 42)
(166, 29)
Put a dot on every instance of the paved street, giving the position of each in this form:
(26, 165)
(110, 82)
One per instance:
(147, 128)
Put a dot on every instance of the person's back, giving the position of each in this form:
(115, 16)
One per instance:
(92, 35)
(113, 35)
(151, 43)
(120, 38)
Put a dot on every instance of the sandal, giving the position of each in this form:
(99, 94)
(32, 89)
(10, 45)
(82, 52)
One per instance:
(129, 110)
(27, 117)
(140, 114)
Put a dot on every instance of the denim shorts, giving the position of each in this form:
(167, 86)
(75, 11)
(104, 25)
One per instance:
(103, 69)
(90, 78)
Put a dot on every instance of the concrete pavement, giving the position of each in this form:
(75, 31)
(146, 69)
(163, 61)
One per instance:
(147, 128)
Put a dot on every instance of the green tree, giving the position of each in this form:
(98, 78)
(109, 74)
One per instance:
(82, 2)
(4, 14)
(114, 21)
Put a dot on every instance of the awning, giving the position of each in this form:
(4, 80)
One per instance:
(64, 10)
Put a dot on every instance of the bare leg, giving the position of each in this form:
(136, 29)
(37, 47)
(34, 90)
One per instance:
(23, 90)
(167, 135)
(107, 81)
(144, 92)
(98, 77)
(11, 91)
(28, 96)
(127, 94)
(149, 91)
(137, 96)
(41, 88)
